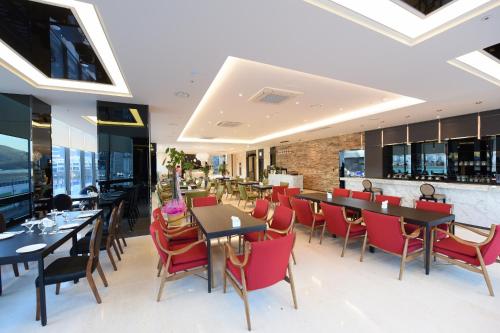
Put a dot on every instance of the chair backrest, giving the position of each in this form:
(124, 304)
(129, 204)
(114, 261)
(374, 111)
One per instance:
(243, 192)
(159, 240)
(284, 200)
(119, 216)
(275, 191)
(391, 200)
(205, 201)
(384, 231)
(432, 206)
(341, 192)
(158, 216)
(335, 219)
(291, 191)
(284, 184)
(361, 195)
(367, 185)
(261, 209)
(303, 211)
(3, 224)
(63, 202)
(95, 245)
(427, 190)
(191, 195)
(113, 219)
(283, 217)
(491, 250)
(268, 261)
(229, 187)
(219, 192)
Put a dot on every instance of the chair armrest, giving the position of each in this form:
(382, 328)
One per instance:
(185, 249)
(413, 235)
(466, 242)
(174, 234)
(234, 259)
(473, 229)
(357, 221)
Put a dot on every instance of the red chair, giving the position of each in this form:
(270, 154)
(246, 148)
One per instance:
(392, 200)
(292, 191)
(284, 200)
(337, 224)
(306, 216)
(178, 260)
(261, 209)
(204, 201)
(361, 195)
(279, 225)
(387, 233)
(473, 256)
(341, 192)
(437, 207)
(274, 194)
(262, 265)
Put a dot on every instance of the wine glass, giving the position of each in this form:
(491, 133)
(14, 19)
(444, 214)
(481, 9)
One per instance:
(41, 226)
(82, 205)
(28, 225)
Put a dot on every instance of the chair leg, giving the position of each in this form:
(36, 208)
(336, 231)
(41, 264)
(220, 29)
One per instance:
(247, 309)
(26, 266)
(110, 255)
(123, 240)
(58, 288)
(403, 260)
(16, 270)
(159, 267)
(101, 274)
(311, 234)
(322, 234)
(93, 288)
(292, 286)
(293, 257)
(116, 251)
(363, 248)
(162, 285)
(345, 244)
(117, 241)
(37, 315)
(484, 271)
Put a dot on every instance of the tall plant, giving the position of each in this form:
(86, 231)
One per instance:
(172, 160)
(223, 169)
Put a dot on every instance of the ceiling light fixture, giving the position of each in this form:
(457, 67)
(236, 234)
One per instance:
(89, 21)
(481, 64)
(135, 114)
(396, 21)
(182, 94)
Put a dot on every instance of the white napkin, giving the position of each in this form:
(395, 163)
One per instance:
(235, 221)
(329, 195)
(384, 204)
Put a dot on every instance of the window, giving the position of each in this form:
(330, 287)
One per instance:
(59, 169)
(76, 171)
(87, 169)
(121, 165)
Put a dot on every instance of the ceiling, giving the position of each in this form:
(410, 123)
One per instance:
(168, 46)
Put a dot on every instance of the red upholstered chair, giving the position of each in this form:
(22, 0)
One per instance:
(279, 225)
(292, 191)
(262, 265)
(178, 260)
(388, 234)
(204, 201)
(284, 200)
(261, 209)
(337, 224)
(341, 192)
(473, 256)
(306, 216)
(361, 195)
(392, 200)
(432, 206)
(274, 194)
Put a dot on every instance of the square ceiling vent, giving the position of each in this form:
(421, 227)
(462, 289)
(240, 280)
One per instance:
(273, 95)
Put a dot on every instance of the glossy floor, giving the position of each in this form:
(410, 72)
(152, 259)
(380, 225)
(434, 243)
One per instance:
(334, 294)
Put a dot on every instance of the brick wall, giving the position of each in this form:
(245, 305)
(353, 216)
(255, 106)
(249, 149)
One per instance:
(317, 160)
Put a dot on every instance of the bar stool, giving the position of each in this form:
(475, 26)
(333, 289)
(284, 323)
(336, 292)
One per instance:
(429, 193)
(368, 187)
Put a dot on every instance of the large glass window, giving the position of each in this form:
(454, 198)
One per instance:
(88, 171)
(76, 171)
(59, 169)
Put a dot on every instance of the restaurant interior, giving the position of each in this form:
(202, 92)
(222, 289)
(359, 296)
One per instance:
(232, 166)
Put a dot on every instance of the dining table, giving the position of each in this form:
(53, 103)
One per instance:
(216, 221)
(67, 226)
(423, 218)
(261, 188)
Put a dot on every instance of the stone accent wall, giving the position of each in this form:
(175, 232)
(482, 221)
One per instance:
(317, 160)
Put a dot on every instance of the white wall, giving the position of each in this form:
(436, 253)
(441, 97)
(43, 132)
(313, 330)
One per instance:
(67, 136)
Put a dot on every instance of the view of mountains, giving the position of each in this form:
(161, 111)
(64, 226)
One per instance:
(11, 158)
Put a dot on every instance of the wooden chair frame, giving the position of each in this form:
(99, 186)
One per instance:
(313, 225)
(476, 245)
(172, 277)
(405, 257)
(281, 232)
(171, 236)
(250, 197)
(346, 237)
(241, 289)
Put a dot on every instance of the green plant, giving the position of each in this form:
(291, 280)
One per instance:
(206, 169)
(223, 169)
(173, 159)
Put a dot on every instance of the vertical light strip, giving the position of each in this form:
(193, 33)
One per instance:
(407, 135)
(478, 126)
(439, 131)
(382, 138)
(361, 140)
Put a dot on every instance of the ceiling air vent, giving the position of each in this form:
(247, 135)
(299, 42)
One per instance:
(229, 124)
(273, 95)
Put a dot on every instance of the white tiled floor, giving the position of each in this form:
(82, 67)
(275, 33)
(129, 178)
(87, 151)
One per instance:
(333, 293)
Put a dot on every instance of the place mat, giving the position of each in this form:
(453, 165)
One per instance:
(69, 226)
(31, 248)
(6, 235)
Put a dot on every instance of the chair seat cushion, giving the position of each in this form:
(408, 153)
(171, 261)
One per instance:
(320, 219)
(414, 245)
(357, 230)
(453, 249)
(195, 257)
(235, 271)
(65, 269)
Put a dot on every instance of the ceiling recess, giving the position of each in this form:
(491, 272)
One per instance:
(229, 124)
(273, 95)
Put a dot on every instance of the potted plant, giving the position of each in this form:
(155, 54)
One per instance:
(206, 171)
(223, 169)
(173, 159)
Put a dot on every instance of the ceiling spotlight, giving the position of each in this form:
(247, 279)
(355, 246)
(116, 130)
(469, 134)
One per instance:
(182, 94)
(297, 103)
(341, 109)
(240, 94)
(485, 18)
(210, 122)
(221, 111)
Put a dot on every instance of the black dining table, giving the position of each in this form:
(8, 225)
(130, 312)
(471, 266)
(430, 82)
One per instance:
(423, 218)
(261, 188)
(215, 222)
(248, 183)
(8, 247)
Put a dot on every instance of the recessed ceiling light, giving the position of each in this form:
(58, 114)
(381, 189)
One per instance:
(485, 18)
(268, 116)
(89, 21)
(210, 122)
(221, 111)
(297, 103)
(240, 94)
(390, 18)
(341, 109)
(182, 94)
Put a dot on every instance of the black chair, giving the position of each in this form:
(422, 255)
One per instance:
(62, 202)
(88, 188)
(74, 268)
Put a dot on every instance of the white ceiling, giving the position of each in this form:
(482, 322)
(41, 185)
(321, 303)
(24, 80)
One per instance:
(165, 46)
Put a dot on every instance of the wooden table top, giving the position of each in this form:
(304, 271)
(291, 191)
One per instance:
(410, 215)
(215, 221)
